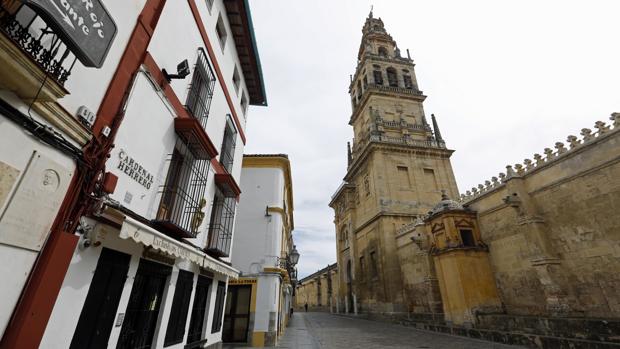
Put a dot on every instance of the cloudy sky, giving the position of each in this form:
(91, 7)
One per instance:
(505, 79)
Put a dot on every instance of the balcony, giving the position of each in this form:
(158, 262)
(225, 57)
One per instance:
(182, 208)
(32, 54)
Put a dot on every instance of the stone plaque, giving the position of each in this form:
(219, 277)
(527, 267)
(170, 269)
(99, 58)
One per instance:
(31, 210)
(8, 176)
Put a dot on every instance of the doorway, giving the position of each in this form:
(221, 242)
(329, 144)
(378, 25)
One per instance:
(97, 316)
(237, 314)
(143, 308)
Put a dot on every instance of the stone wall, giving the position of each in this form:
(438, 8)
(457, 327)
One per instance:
(318, 290)
(553, 227)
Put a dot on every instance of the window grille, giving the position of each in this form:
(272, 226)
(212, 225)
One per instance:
(221, 225)
(227, 156)
(182, 204)
(201, 89)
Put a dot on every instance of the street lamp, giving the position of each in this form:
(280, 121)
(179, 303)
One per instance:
(294, 255)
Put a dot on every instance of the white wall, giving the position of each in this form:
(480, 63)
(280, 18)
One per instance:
(257, 239)
(87, 86)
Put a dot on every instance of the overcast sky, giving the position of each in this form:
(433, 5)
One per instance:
(505, 80)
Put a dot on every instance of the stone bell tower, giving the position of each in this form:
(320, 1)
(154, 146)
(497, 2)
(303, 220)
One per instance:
(397, 166)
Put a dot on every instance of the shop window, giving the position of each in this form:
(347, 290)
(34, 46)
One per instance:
(219, 307)
(201, 89)
(180, 308)
(199, 308)
(467, 237)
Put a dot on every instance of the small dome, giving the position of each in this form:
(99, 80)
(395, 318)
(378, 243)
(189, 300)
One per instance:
(446, 204)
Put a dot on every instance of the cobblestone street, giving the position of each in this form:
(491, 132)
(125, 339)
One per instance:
(326, 331)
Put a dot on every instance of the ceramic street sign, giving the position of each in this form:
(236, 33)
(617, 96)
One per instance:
(85, 26)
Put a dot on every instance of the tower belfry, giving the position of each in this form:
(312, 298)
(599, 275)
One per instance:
(397, 167)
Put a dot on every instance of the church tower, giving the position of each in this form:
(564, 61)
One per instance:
(397, 166)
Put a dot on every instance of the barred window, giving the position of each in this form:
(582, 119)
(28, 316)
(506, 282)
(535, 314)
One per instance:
(227, 156)
(201, 89)
(182, 204)
(221, 225)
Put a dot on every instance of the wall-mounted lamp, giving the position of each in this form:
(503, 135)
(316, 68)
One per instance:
(182, 71)
(267, 214)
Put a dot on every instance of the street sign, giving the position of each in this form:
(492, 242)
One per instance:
(85, 26)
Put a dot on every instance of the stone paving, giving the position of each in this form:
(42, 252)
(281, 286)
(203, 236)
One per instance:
(326, 331)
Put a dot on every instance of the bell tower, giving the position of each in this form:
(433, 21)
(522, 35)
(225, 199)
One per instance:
(397, 166)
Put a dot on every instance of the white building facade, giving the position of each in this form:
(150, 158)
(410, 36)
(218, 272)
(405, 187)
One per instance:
(148, 262)
(260, 299)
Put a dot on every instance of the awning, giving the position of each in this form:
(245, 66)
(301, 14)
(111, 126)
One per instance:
(143, 234)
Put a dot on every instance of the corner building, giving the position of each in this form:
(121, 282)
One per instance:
(397, 165)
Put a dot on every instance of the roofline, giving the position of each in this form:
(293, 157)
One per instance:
(255, 48)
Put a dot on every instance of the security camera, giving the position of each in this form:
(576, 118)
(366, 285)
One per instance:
(85, 243)
(182, 71)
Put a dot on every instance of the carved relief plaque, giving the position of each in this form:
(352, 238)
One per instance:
(8, 176)
(31, 210)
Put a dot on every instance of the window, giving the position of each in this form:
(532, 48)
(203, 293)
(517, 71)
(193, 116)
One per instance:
(365, 81)
(345, 238)
(373, 263)
(219, 307)
(182, 202)
(180, 307)
(201, 89)
(194, 332)
(392, 77)
(359, 90)
(408, 82)
(220, 29)
(244, 103)
(403, 177)
(467, 237)
(236, 79)
(378, 77)
(221, 225)
(383, 51)
(209, 5)
(227, 153)
(362, 268)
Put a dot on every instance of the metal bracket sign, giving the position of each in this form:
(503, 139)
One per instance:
(85, 26)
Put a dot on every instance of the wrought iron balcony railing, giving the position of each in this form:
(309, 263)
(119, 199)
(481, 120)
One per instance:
(182, 207)
(36, 39)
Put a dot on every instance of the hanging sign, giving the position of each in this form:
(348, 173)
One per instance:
(85, 26)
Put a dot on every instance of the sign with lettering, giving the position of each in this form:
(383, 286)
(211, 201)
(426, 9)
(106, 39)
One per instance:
(85, 26)
(242, 281)
(134, 170)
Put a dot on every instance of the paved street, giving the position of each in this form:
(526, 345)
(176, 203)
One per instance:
(325, 331)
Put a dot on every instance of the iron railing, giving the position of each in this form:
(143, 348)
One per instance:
(29, 32)
(201, 89)
(221, 225)
(182, 204)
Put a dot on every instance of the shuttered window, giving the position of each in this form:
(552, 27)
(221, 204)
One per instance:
(219, 307)
(180, 308)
